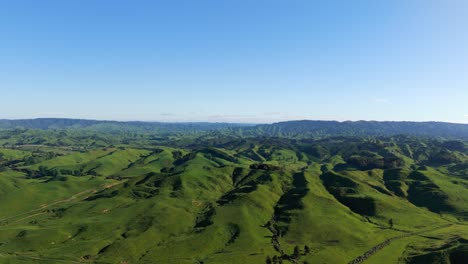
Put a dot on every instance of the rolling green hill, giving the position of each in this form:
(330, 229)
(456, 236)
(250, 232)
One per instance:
(75, 196)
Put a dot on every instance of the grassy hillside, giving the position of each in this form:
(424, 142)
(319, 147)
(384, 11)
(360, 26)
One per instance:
(223, 199)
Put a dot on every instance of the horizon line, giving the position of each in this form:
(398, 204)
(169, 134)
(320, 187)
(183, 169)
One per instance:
(234, 123)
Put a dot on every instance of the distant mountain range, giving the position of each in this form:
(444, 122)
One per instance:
(291, 129)
(113, 126)
(307, 128)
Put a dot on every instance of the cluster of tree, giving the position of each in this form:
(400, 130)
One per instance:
(295, 256)
(316, 151)
(444, 157)
(368, 163)
(265, 151)
(212, 153)
(274, 260)
(185, 158)
(176, 154)
(167, 170)
(78, 172)
(262, 166)
(454, 145)
(42, 171)
(39, 156)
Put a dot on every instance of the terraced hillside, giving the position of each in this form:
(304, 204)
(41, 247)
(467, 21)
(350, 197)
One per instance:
(226, 199)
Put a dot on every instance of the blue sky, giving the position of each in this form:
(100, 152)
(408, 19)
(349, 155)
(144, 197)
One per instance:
(234, 60)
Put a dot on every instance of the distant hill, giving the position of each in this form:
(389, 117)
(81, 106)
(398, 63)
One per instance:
(308, 128)
(113, 126)
(289, 129)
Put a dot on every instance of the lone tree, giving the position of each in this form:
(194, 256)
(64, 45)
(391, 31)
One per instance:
(297, 252)
(306, 249)
(390, 222)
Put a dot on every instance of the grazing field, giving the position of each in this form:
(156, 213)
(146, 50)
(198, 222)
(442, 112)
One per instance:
(114, 198)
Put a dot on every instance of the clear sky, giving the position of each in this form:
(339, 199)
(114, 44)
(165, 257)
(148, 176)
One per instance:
(234, 60)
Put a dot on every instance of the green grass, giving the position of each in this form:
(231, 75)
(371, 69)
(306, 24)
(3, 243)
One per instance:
(208, 204)
(13, 154)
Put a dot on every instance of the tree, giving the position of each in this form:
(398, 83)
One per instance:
(43, 171)
(268, 260)
(275, 259)
(390, 222)
(297, 252)
(306, 249)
